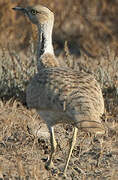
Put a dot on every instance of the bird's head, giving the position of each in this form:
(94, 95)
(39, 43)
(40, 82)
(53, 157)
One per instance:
(38, 14)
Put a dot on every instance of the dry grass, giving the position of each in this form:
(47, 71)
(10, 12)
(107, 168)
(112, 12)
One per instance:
(18, 156)
(24, 147)
(15, 72)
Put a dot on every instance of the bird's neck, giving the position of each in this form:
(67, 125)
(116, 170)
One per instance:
(44, 41)
(47, 39)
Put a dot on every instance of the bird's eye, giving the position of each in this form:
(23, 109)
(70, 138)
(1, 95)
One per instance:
(33, 11)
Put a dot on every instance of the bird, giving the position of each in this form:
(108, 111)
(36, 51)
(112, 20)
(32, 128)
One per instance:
(61, 94)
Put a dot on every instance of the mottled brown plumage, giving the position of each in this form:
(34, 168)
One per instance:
(53, 88)
(60, 94)
(48, 60)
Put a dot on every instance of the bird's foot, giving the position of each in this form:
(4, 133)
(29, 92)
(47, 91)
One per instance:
(49, 165)
(62, 175)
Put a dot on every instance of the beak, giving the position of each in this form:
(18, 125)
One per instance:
(24, 10)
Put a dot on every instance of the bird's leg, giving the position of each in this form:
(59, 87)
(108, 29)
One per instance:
(71, 148)
(53, 148)
(101, 151)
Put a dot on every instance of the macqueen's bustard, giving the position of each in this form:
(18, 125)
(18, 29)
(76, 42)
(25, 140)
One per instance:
(60, 94)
